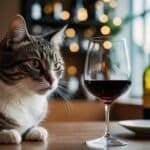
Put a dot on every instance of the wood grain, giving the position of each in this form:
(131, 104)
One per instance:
(72, 136)
(90, 111)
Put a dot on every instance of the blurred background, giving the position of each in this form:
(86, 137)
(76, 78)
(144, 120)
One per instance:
(85, 18)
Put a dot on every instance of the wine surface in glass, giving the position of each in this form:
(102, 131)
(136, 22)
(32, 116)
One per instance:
(107, 90)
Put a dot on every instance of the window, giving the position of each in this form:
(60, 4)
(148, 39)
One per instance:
(140, 45)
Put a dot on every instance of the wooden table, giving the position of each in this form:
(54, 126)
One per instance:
(71, 136)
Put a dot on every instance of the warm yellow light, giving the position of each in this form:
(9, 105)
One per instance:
(70, 32)
(107, 45)
(105, 30)
(65, 15)
(48, 9)
(74, 47)
(117, 21)
(103, 18)
(72, 70)
(106, 1)
(113, 4)
(82, 14)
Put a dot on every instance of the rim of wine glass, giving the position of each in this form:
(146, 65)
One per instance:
(102, 38)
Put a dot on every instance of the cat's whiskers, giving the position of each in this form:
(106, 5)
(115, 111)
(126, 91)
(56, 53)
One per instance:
(67, 104)
(65, 97)
(64, 91)
(63, 83)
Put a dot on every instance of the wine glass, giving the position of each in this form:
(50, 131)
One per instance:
(106, 76)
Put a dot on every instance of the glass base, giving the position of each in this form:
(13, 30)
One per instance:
(104, 142)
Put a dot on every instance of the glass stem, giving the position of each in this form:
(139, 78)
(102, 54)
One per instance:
(107, 112)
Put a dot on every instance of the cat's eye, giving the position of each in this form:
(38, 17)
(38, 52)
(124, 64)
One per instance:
(35, 64)
(57, 66)
(59, 69)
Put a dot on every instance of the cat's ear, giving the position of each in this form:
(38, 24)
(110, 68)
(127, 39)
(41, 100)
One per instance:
(17, 29)
(57, 37)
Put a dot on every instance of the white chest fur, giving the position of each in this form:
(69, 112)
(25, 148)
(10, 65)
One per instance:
(27, 111)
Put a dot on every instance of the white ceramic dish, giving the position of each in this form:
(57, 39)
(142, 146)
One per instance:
(137, 126)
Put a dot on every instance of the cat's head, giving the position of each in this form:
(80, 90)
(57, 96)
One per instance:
(32, 63)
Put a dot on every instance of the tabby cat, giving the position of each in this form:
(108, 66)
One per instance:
(30, 68)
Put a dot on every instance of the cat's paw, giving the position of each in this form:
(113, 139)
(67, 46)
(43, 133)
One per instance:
(10, 137)
(36, 134)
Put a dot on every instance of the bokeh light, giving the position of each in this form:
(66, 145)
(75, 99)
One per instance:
(89, 32)
(48, 9)
(74, 47)
(107, 45)
(36, 29)
(82, 14)
(70, 32)
(72, 70)
(103, 18)
(105, 30)
(106, 1)
(73, 85)
(36, 11)
(113, 3)
(117, 21)
(65, 15)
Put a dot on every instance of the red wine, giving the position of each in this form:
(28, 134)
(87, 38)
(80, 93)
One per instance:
(107, 90)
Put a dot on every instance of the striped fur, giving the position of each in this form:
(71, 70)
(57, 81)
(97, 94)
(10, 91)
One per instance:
(38, 50)
(30, 68)
(7, 123)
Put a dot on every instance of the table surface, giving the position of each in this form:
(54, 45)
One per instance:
(72, 136)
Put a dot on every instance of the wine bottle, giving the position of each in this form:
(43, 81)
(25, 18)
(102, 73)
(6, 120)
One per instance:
(146, 93)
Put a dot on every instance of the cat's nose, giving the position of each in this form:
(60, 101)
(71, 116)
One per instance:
(49, 78)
